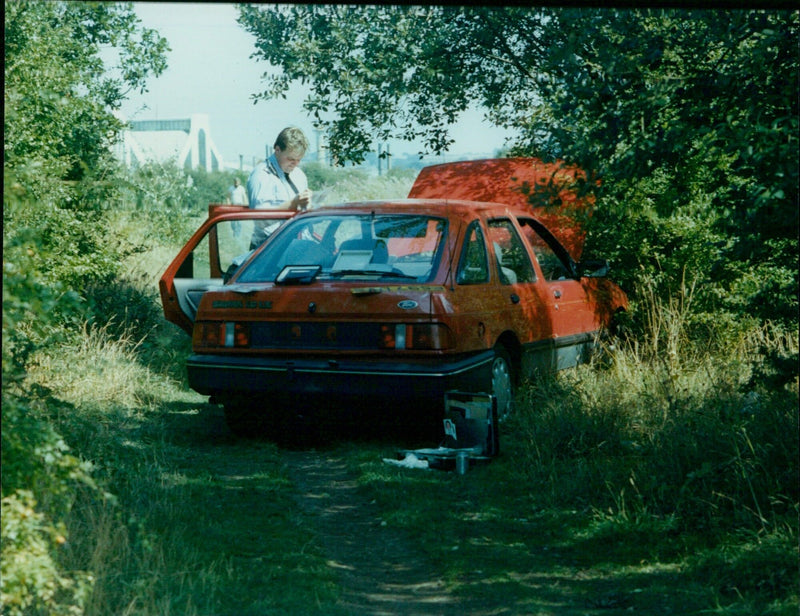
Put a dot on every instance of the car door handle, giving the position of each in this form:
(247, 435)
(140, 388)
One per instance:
(514, 298)
(557, 294)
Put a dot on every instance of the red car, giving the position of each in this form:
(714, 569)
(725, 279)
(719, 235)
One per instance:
(397, 301)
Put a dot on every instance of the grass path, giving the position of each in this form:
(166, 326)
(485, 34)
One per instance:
(297, 531)
(379, 569)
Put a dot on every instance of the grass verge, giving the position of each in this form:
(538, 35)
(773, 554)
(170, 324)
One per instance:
(193, 521)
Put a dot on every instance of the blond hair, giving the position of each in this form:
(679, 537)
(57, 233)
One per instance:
(292, 139)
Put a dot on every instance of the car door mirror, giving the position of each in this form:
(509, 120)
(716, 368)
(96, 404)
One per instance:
(593, 268)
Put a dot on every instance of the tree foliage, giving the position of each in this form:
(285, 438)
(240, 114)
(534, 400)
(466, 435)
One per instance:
(59, 124)
(688, 119)
(59, 177)
(691, 119)
(59, 93)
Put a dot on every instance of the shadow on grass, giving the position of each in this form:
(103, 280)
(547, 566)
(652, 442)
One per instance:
(490, 538)
(493, 536)
(318, 425)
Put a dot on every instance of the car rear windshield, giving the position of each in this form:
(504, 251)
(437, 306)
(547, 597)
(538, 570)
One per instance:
(352, 247)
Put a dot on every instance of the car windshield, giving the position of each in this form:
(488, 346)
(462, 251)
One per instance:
(353, 247)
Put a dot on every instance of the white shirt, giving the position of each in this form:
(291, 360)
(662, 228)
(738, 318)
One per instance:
(268, 186)
(238, 195)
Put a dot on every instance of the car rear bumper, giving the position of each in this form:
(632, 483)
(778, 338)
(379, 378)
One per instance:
(219, 375)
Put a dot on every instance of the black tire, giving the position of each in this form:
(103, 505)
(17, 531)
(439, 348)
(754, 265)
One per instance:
(503, 382)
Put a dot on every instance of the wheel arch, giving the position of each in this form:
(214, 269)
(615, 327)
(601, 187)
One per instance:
(509, 341)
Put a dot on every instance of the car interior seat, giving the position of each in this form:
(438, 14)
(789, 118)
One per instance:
(380, 254)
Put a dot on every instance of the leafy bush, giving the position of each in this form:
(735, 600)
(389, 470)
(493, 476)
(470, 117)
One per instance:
(159, 186)
(321, 177)
(32, 581)
(209, 188)
(59, 179)
(39, 471)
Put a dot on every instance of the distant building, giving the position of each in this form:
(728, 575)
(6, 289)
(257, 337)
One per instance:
(187, 142)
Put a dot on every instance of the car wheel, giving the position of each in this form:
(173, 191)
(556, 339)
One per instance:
(502, 383)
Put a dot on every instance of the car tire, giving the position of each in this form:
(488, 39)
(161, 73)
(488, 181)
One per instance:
(503, 382)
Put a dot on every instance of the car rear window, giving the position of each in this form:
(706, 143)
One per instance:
(353, 247)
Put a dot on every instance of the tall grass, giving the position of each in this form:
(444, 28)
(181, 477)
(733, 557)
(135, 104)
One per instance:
(674, 425)
(103, 396)
(667, 434)
(109, 388)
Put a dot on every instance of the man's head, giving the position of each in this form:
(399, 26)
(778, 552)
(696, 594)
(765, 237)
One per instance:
(236, 181)
(290, 147)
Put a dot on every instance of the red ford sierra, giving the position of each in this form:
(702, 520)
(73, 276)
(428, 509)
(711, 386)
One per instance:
(466, 285)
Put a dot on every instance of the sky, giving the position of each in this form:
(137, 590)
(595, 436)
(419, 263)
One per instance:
(210, 71)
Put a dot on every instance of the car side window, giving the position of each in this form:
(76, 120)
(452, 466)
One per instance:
(473, 267)
(553, 268)
(513, 263)
(201, 260)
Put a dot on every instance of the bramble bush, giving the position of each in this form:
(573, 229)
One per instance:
(40, 472)
(59, 180)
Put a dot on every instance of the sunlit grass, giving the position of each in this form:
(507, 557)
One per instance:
(96, 369)
(163, 540)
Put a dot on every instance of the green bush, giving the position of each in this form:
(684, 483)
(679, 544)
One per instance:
(39, 471)
(32, 581)
(209, 188)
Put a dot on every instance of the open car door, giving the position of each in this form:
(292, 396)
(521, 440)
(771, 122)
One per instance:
(550, 191)
(206, 261)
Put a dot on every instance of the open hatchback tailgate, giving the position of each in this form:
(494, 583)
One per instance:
(548, 190)
(203, 263)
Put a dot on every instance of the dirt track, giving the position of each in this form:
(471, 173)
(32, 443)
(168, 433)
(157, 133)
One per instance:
(380, 571)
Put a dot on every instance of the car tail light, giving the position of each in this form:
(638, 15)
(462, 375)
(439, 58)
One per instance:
(221, 334)
(418, 337)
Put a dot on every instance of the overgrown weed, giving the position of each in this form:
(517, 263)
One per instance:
(96, 369)
(664, 437)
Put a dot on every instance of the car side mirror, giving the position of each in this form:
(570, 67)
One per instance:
(593, 268)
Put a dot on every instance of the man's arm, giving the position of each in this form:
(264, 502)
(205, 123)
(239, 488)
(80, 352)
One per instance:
(257, 194)
(261, 192)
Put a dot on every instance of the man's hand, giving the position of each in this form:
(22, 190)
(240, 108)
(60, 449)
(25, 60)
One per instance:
(302, 200)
